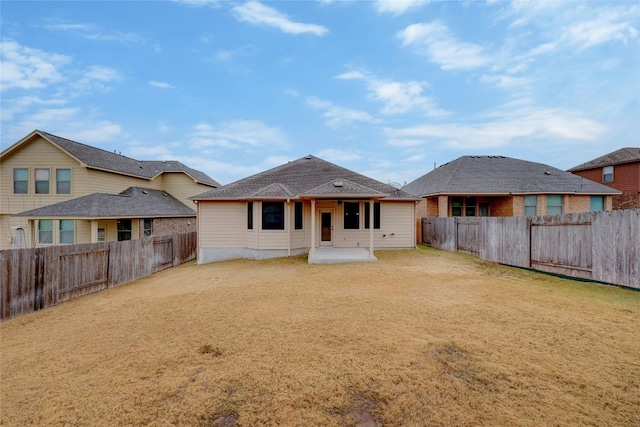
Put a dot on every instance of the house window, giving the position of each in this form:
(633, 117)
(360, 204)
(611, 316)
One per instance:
(470, 206)
(273, 215)
(147, 227)
(376, 215)
(531, 205)
(45, 231)
(456, 206)
(351, 215)
(42, 181)
(554, 204)
(101, 235)
(21, 181)
(63, 181)
(298, 214)
(250, 215)
(67, 231)
(124, 229)
(596, 203)
(607, 174)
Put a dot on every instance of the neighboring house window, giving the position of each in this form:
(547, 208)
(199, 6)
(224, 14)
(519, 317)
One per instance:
(21, 181)
(101, 235)
(596, 203)
(554, 204)
(45, 231)
(531, 205)
(273, 215)
(63, 181)
(250, 215)
(42, 181)
(607, 174)
(298, 214)
(67, 231)
(376, 215)
(351, 215)
(470, 206)
(148, 227)
(124, 229)
(456, 206)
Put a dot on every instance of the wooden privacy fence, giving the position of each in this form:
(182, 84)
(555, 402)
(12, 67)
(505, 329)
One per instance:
(33, 279)
(600, 246)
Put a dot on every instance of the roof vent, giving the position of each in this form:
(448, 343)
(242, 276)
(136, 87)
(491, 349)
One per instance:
(547, 173)
(338, 183)
(308, 157)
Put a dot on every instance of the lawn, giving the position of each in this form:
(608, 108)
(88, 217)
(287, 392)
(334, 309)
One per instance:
(420, 338)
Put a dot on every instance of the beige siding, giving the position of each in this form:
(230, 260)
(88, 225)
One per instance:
(107, 182)
(222, 224)
(397, 222)
(301, 238)
(181, 186)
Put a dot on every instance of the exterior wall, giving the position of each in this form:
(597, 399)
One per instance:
(223, 224)
(166, 226)
(518, 206)
(575, 204)
(181, 186)
(425, 205)
(626, 178)
(443, 206)
(503, 206)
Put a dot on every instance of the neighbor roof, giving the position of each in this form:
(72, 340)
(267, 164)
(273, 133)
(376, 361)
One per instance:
(501, 175)
(304, 178)
(134, 202)
(618, 157)
(97, 158)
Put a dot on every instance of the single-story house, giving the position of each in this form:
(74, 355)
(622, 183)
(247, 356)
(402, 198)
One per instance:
(100, 217)
(307, 206)
(504, 186)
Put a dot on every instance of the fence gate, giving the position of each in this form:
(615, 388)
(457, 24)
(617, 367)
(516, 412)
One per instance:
(162, 253)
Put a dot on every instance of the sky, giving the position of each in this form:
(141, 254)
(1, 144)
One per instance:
(387, 88)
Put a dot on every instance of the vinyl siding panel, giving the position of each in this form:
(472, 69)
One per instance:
(181, 186)
(222, 224)
(107, 182)
(397, 226)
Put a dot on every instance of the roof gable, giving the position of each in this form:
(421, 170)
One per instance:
(618, 157)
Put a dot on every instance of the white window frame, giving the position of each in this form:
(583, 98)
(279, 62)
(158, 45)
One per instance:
(607, 174)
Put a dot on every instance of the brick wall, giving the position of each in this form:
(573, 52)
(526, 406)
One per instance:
(503, 206)
(626, 200)
(575, 204)
(165, 226)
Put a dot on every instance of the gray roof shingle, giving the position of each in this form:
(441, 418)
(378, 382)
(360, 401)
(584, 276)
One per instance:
(308, 176)
(618, 157)
(134, 202)
(501, 175)
(106, 160)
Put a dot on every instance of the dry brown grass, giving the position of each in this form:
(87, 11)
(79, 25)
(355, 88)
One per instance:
(419, 338)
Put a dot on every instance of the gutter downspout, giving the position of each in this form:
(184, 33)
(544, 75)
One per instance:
(289, 228)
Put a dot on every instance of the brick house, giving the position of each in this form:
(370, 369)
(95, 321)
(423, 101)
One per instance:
(84, 186)
(503, 186)
(620, 170)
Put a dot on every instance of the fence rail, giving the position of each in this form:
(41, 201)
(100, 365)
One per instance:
(601, 246)
(33, 279)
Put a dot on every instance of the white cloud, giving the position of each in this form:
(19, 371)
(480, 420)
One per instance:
(397, 97)
(256, 13)
(199, 2)
(238, 134)
(398, 7)
(339, 116)
(95, 78)
(92, 32)
(335, 155)
(435, 41)
(25, 68)
(161, 85)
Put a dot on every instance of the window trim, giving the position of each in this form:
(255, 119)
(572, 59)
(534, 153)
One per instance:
(58, 181)
(607, 174)
(42, 241)
(533, 197)
(36, 180)
(561, 205)
(26, 180)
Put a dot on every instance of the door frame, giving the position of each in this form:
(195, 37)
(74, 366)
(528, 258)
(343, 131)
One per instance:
(330, 211)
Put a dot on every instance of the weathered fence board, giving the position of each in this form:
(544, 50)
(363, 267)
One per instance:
(32, 279)
(602, 246)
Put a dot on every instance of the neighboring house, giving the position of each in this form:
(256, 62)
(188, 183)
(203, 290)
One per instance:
(133, 214)
(299, 207)
(620, 170)
(503, 186)
(43, 169)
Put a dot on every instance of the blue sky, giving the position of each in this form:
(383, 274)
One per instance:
(385, 88)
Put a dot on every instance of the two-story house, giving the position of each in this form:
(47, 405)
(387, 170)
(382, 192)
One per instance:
(620, 170)
(504, 186)
(57, 191)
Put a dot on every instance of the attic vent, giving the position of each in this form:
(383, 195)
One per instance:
(145, 192)
(338, 183)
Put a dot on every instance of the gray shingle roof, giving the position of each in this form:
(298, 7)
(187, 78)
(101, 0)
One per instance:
(305, 177)
(501, 175)
(106, 160)
(618, 157)
(134, 202)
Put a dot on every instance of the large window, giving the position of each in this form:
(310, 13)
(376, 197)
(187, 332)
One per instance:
(456, 206)
(20, 181)
(607, 174)
(351, 215)
(554, 204)
(298, 214)
(45, 231)
(67, 231)
(250, 215)
(124, 229)
(63, 181)
(596, 203)
(470, 206)
(531, 205)
(273, 215)
(376, 215)
(42, 181)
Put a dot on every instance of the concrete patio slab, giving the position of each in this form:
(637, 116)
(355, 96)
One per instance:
(329, 255)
